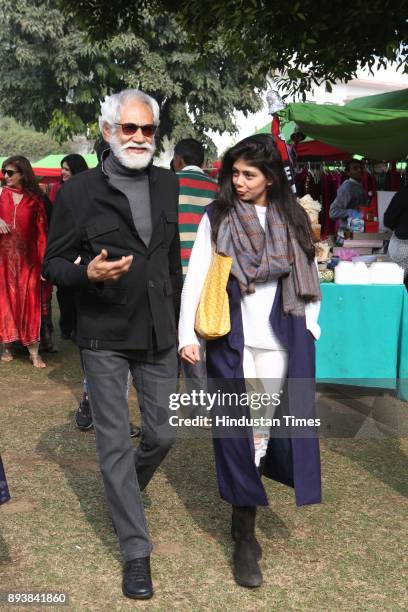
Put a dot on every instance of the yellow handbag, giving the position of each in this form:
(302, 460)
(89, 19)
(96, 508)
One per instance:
(213, 314)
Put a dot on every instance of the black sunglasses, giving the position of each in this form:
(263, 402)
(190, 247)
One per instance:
(131, 128)
(10, 172)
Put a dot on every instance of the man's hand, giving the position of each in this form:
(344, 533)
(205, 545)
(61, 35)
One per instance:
(191, 353)
(4, 228)
(100, 270)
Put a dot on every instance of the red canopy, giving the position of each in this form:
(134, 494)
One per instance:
(314, 148)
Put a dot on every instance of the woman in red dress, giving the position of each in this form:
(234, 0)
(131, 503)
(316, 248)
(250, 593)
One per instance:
(23, 236)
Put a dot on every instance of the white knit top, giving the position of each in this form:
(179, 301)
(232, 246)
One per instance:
(255, 307)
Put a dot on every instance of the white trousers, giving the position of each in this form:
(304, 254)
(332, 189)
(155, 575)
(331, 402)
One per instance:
(265, 371)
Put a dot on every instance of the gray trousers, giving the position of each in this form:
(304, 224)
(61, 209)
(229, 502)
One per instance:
(126, 471)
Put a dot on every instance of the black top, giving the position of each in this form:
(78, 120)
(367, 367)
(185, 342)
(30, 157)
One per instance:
(137, 311)
(396, 215)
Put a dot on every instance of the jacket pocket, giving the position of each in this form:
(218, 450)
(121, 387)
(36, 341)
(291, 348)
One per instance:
(105, 234)
(110, 293)
(99, 228)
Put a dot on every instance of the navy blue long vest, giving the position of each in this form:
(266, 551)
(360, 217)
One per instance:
(293, 461)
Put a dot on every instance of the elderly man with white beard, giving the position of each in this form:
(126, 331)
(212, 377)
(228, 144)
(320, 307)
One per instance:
(121, 219)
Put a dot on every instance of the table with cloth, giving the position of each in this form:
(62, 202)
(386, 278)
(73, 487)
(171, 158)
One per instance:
(364, 337)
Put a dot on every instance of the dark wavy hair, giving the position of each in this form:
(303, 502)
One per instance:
(29, 183)
(75, 162)
(259, 151)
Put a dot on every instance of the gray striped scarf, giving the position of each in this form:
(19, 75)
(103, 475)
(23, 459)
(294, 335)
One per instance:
(260, 256)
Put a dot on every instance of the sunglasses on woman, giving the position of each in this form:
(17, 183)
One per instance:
(10, 172)
(129, 129)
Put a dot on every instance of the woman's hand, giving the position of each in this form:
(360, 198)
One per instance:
(191, 353)
(4, 228)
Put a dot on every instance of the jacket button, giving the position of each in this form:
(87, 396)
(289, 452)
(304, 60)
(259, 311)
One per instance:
(151, 283)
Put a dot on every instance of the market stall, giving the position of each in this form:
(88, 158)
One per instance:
(364, 311)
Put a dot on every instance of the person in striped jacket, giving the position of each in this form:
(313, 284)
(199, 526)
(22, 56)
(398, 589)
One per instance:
(196, 191)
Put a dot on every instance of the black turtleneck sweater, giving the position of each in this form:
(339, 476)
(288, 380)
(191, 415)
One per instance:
(135, 185)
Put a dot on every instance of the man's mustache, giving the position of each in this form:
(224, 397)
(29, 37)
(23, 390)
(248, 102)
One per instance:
(130, 145)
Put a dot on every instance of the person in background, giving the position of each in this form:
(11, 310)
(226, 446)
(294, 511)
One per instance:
(396, 218)
(196, 191)
(71, 165)
(23, 237)
(274, 299)
(350, 195)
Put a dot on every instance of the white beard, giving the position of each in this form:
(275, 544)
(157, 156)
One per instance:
(129, 160)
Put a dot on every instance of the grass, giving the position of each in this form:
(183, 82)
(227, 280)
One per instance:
(56, 534)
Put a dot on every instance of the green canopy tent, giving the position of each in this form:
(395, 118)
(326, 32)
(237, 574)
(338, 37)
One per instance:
(397, 100)
(371, 126)
(358, 127)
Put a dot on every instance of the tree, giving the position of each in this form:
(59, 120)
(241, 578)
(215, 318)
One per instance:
(16, 139)
(307, 41)
(54, 77)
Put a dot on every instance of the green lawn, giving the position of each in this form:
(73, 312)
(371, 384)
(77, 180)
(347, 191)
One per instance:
(56, 535)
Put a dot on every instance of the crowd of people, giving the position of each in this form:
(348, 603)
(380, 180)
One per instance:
(129, 247)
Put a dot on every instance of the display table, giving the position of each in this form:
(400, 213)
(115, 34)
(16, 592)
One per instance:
(364, 337)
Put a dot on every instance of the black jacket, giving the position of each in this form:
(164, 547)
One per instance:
(137, 311)
(396, 215)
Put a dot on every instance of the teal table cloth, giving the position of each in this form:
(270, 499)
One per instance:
(364, 337)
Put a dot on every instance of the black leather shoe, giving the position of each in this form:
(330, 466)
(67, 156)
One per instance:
(137, 580)
(83, 416)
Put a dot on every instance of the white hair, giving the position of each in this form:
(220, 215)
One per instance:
(112, 106)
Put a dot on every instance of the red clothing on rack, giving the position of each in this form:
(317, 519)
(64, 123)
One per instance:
(21, 258)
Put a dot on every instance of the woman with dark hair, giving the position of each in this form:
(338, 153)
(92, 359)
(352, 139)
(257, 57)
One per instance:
(274, 299)
(70, 164)
(23, 236)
